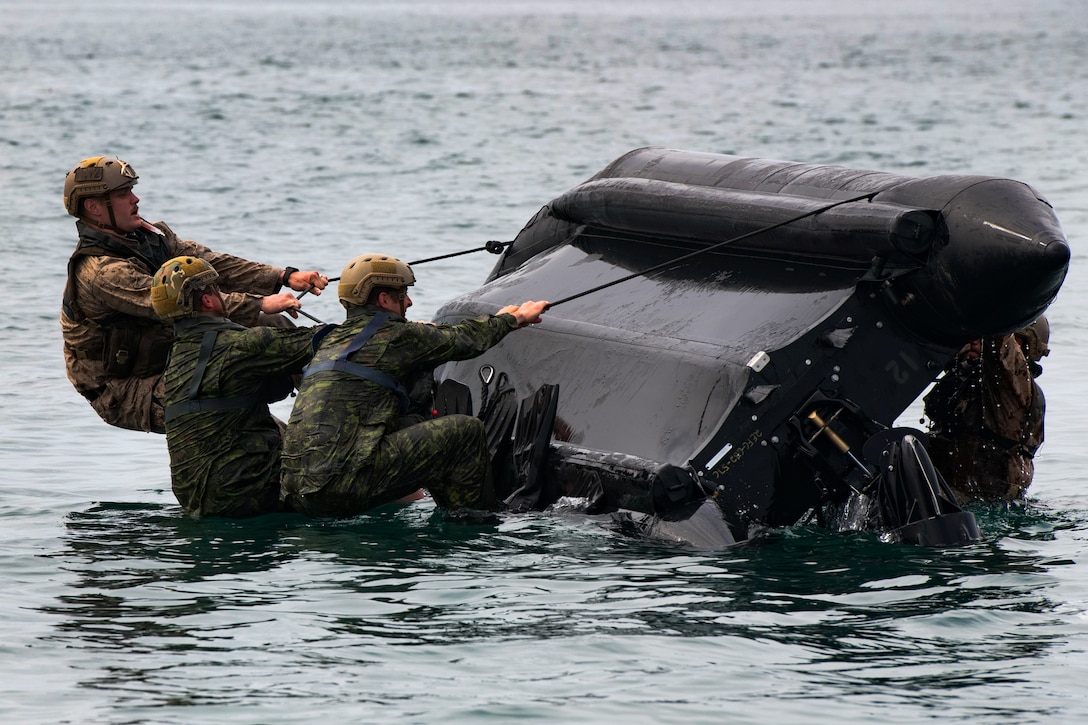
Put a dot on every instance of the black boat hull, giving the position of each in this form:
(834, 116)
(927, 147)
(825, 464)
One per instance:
(754, 370)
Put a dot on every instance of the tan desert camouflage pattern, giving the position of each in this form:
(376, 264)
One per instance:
(106, 285)
(345, 450)
(986, 423)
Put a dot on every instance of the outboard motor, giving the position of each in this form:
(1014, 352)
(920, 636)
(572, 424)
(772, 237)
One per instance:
(892, 486)
(915, 503)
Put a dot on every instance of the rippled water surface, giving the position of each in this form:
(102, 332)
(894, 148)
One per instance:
(305, 133)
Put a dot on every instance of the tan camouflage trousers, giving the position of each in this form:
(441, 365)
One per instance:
(136, 403)
(133, 403)
(978, 470)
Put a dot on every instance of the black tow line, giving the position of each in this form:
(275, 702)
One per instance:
(499, 247)
(307, 314)
(711, 248)
(493, 247)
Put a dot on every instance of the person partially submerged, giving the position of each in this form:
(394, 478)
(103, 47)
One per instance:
(986, 415)
(224, 442)
(352, 441)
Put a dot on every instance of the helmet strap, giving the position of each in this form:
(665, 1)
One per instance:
(112, 226)
(109, 208)
(400, 298)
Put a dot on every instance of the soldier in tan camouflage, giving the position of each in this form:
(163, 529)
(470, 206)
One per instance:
(986, 415)
(115, 346)
(349, 446)
(224, 442)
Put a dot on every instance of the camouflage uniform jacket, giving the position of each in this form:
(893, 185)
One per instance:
(338, 419)
(108, 292)
(226, 462)
(987, 422)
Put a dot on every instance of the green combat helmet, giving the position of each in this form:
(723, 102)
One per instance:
(96, 176)
(176, 283)
(368, 271)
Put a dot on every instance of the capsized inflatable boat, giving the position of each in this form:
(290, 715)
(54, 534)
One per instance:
(731, 340)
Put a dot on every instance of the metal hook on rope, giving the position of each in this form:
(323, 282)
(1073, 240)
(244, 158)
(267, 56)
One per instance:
(493, 247)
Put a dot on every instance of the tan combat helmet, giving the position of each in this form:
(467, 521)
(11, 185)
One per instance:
(368, 271)
(1035, 339)
(96, 176)
(177, 282)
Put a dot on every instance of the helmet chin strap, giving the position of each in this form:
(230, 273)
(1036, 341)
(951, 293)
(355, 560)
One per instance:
(109, 208)
(112, 226)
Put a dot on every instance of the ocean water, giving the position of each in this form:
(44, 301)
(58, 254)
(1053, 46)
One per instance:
(305, 133)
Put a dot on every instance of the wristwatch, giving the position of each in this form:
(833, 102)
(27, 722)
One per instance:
(285, 281)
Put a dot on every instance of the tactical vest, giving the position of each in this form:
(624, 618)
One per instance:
(342, 365)
(273, 387)
(126, 345)
(194, 404)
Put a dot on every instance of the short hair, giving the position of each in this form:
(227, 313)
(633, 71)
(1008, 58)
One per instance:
(372, 298)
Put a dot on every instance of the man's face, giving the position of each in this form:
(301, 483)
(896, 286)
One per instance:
(126, 210)
(405, 302)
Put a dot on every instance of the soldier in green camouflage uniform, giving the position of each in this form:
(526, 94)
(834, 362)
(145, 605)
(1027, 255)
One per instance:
(224, 443)
(347, 448)
(986, 416)
(115, 346)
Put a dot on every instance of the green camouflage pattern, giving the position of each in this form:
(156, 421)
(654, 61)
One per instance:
(347, 448)
(227, 462)
(119, 288)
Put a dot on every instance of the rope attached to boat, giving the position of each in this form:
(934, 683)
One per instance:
(711, 248)
(498, 247)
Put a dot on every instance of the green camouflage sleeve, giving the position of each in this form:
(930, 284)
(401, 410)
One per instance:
(424, 345)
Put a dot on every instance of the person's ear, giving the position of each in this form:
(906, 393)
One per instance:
(92, 207)
(207, 300)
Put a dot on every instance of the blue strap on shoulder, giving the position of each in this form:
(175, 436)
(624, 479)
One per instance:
(342, 365)
(200, 405)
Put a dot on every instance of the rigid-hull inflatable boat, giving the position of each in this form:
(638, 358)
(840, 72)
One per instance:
(732, 339)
